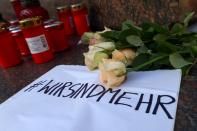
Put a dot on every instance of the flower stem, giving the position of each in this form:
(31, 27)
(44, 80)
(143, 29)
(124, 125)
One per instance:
(146, 63)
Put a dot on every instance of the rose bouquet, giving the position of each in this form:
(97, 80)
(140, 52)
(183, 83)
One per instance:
(149, 46)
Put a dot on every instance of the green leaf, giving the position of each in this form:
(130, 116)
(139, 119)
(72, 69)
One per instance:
(148, 34)
(160, 64)
(143, 49)
(188, 39)
(194, 50)
(163, 62)
(188, 18)
(177, 61)
(119, 45)
(190, 43)
(165, 47)
(124, 34)
(141, 59)
(146, 26)
(129, 25)
(160, 37)
(112, 35)
(159, 28)
(144, 61)
(134, 40)
(177, 28)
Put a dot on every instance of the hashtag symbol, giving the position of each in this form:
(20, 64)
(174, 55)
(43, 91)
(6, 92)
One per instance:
(34, 86)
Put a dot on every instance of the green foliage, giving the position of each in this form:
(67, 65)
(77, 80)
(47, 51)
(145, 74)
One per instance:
(177, 61)
(188, 18)
(111, 35)
(157, 46)
(177, 29)
(134, 40)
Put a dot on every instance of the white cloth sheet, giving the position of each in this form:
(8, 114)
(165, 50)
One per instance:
(70, 98)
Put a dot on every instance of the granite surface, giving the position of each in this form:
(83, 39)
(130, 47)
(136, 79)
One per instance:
(14, 79)
(112, 13)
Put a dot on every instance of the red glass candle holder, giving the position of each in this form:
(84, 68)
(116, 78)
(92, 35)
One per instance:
(32, 8)
(20, 41)
(16, 4)
(56, 33)
(14, 23)
(49, 21)
(65, 15)
(80, 16)
(35, 37)
(9, 53)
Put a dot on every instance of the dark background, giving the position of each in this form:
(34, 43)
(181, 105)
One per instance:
(113, 12)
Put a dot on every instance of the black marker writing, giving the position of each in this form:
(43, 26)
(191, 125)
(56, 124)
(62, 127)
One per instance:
(132, 100)
(149, 103)
(123, 96)
(34, 86)
(161, 104)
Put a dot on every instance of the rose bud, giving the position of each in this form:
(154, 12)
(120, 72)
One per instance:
(92, 38)
(99, 56)
(90, 56)
(109, 46)
(98, 52)
(125, 55)
(112, 72)
(89, 61)
(96, 39)
(86, 38)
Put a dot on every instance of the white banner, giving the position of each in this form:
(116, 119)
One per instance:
(70, 98)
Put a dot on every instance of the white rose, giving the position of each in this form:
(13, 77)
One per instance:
(92, 38)
(97, 53)
(112, 72)
(89, 60)
(96, 39)
(125, 55)
(110, 46)
(94, 56)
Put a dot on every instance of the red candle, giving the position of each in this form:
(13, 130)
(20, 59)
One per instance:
(32, 8)
(64, 14)
(35, 37)
(14, 23)
(80, 15)
(9, 53)
(16, 4)
(20, 41)
(49, 21)
(56, 33)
